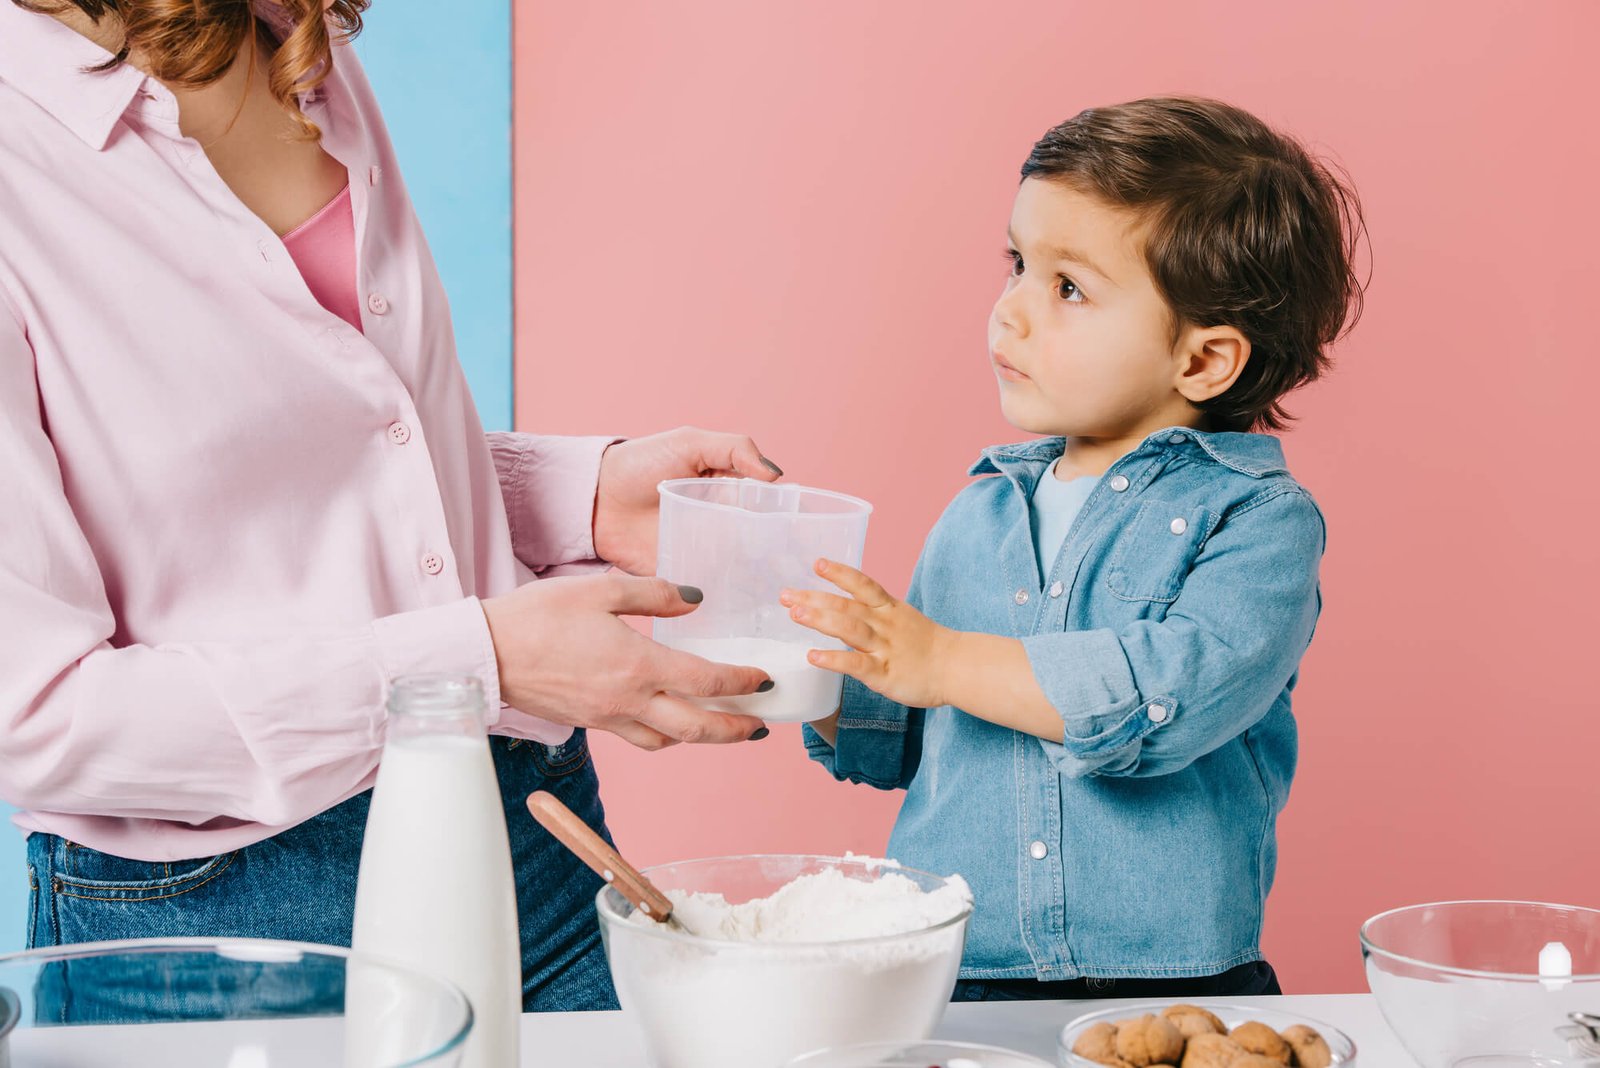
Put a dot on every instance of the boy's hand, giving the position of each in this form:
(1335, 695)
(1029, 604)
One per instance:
(894, 649)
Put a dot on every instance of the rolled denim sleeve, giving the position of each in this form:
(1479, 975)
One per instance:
(1153, 697)
(879, 741)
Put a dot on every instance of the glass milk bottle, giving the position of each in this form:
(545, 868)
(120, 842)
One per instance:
(435, 889)
(741, 542)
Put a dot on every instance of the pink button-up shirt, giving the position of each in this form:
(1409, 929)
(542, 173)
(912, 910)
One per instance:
(227, 517)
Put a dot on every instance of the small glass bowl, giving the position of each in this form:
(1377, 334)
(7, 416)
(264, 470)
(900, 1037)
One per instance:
(1339, 1043)
(918, 1055)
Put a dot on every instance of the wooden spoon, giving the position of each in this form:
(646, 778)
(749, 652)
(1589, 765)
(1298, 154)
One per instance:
(589, 847)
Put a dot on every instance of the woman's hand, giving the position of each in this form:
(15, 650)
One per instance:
(627, 505)
(894, 649)
(565, 656)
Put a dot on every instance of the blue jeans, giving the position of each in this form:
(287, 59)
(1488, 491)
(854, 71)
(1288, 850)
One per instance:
(300, 884)
(1247, 980)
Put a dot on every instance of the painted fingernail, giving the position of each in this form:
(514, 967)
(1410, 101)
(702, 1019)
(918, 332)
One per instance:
(774, 468)
(691, 594)
(766, 687)
(760, 733)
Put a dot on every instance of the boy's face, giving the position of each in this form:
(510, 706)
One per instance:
(1080, 339)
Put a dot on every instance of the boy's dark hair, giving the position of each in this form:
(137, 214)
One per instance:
(1246, 229)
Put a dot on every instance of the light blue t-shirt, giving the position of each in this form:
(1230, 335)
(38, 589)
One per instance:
(1055, 505)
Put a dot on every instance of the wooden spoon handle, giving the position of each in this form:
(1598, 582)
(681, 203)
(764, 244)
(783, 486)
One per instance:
(593, 850)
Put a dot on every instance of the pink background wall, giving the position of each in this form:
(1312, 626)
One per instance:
(788, 219)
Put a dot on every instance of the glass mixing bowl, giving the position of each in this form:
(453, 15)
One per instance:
(1489, 984)
(708, 1003)
(183, 1003)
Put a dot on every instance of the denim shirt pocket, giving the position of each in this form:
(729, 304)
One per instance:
(1154, 555)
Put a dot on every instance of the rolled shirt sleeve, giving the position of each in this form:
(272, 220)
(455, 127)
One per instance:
(1151, 698)
(549, 484)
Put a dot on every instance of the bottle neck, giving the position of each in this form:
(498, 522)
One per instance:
(423, 706)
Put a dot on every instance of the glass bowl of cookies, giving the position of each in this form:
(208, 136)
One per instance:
(1202, 1036)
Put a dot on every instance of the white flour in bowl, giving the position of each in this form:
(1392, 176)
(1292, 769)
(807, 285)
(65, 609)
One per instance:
(828, 906)
(826, 960)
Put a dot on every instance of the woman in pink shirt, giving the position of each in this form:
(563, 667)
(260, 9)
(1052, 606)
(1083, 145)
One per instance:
(242, 485)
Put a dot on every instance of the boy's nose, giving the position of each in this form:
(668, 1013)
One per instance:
(1009, 313)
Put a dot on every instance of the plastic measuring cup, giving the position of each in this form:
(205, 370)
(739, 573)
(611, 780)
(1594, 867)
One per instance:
(741, 542)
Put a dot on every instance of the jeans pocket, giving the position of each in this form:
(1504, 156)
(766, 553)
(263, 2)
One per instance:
(87, 873)
(33, 908)
(558, 761)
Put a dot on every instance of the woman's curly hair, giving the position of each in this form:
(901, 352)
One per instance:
(191, 43)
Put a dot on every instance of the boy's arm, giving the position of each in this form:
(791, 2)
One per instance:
(1155, 696)
(1146, 700)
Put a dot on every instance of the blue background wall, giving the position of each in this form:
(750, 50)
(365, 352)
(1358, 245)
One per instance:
(445, 86)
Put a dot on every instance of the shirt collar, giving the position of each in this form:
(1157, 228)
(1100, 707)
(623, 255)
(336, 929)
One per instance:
(49, 64)
(1256, 455)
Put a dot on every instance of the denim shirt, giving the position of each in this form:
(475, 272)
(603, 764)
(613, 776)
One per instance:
(1168, 634)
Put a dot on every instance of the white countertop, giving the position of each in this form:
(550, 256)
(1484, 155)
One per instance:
(609, 1039)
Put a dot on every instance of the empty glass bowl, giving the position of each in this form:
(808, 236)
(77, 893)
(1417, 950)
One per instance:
(1485, 984)
(918, 1055)
(190, 1002)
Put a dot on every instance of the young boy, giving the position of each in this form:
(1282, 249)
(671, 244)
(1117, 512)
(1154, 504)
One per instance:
(1085, 693)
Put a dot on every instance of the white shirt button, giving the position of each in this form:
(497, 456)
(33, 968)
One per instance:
(374, 174)
(1157, 713)
(1022, 597)
(1118, 483)
(378, 304)
(432, 563)
(1056, 588)
(399, 433)
(1177, 439)
(1038, 851)
(1179, 525)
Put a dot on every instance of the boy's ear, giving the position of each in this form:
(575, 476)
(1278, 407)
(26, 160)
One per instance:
(1209, 361)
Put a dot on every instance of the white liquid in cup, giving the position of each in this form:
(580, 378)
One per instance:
(803, 692)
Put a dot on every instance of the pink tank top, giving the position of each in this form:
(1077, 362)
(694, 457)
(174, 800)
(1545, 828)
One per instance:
(324, 249)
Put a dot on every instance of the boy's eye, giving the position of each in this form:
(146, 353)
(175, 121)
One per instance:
(1016, 260)
(1067, 289)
